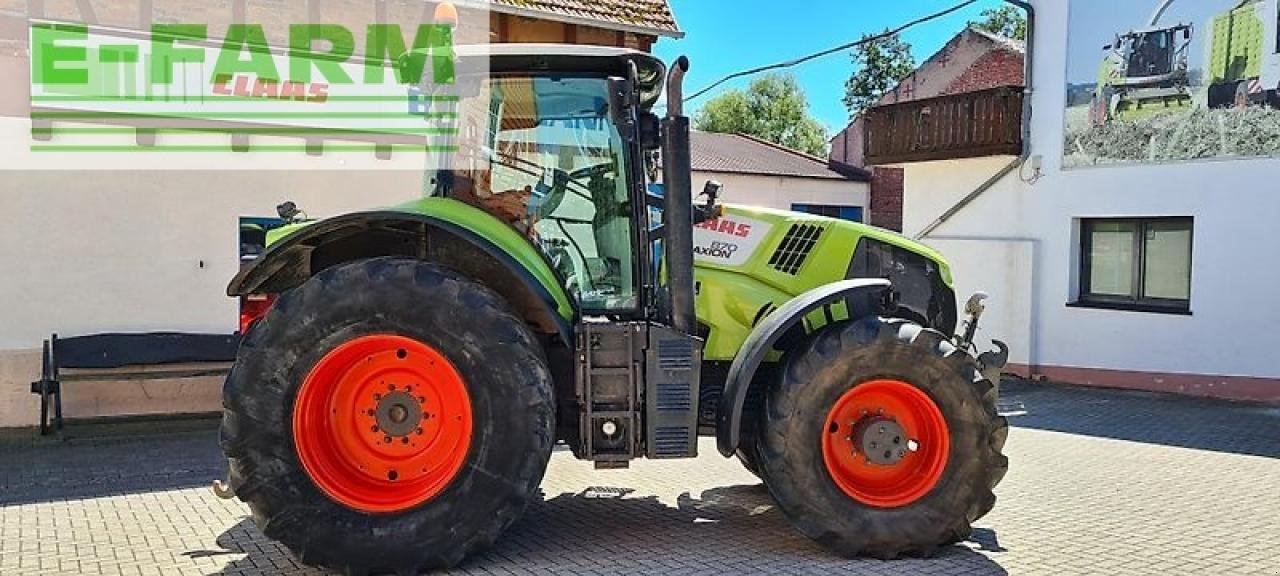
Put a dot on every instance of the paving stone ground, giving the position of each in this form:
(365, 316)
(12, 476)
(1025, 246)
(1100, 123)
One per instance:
(1101, 482)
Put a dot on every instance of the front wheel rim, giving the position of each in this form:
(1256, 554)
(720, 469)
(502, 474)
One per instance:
(885, 443)
(382, 423)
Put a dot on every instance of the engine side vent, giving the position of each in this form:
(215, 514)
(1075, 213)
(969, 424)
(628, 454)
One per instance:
(674, 397)
(795, 248)
(672, 366)
(669, 442)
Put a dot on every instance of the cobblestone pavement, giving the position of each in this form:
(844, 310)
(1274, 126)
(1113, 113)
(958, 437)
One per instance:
(1101, 482)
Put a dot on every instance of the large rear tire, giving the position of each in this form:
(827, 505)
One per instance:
(882, 439)
(388, 415)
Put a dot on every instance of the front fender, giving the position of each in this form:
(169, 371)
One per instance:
(857, 293)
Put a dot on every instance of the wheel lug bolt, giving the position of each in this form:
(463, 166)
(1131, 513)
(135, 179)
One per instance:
(419, 431)
(387, 439)
(374, 428)
(377, 396)
(391, 387)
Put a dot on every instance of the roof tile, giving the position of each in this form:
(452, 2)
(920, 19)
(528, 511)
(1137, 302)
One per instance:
(652, 15)
(742, 154)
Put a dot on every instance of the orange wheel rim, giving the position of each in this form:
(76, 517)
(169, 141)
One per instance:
(382, 423)
(885, 443)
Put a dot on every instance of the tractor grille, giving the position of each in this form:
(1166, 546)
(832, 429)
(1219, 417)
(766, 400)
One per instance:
(795, 248)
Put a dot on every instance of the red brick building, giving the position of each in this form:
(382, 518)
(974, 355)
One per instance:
(973, 60)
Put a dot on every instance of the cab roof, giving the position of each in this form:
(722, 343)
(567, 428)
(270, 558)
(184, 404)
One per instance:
(571, 59)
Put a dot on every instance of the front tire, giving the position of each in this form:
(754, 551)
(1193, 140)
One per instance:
(882, 439)
(388, 415)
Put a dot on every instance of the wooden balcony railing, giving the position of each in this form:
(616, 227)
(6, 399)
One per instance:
(965, 125)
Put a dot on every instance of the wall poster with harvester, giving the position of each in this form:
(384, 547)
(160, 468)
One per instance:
(1152, 81)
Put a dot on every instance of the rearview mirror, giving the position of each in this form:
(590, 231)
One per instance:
(621, 102)
(711, 209)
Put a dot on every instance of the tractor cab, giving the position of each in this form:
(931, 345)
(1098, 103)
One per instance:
(555, 144)
(1154, 57)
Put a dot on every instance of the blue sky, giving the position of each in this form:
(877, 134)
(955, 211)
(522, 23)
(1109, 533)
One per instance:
(724, 36)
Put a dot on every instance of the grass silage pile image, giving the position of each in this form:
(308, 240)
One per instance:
(1176, 135)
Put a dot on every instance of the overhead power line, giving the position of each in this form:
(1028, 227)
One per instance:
(829, 51)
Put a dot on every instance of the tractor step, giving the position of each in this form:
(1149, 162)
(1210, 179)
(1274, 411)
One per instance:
(636, 386)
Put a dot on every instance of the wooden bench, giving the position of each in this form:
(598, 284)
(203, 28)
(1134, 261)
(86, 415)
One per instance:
(122, 358)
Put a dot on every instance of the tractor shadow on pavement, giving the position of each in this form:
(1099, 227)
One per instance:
(1150, 418)
(733, 529)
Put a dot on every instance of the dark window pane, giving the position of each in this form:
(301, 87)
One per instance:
(853, 213)
(1168, 260)
(1111, 258)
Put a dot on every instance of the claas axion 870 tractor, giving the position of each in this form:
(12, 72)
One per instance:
(396, 406)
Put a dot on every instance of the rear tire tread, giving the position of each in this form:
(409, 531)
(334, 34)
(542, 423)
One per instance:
(260, 449)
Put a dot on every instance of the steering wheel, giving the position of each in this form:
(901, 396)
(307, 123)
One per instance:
(560, 181)
(591, 171)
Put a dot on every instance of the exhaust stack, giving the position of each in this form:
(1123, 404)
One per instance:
(677, 217)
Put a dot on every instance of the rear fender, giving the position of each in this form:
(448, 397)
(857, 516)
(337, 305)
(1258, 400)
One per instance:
(859, 294)
(306, 252)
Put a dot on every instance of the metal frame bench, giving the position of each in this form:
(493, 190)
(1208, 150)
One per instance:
(120, 357)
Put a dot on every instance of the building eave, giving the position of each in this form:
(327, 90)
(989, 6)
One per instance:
(583, 21)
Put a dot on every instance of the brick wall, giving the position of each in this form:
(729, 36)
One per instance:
(993, 69)
(886, 198)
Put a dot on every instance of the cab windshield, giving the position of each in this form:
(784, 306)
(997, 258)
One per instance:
(1151, 54)
(542, 154)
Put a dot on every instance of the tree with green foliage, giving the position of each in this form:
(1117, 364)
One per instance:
(1006, 21)
(880, 65)
(773, 108)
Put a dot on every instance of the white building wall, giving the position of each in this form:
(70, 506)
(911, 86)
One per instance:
(1032, 231)
(782, 191)
(985, 246)
(84, 252)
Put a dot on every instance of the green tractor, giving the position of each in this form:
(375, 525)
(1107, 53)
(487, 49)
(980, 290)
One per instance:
(396, 406)
(1144, 72)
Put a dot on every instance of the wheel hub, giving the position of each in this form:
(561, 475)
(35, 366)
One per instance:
(881, 440)
(398, 414)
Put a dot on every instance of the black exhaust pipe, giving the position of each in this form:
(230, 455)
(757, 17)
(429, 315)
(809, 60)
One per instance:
(677, 217)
